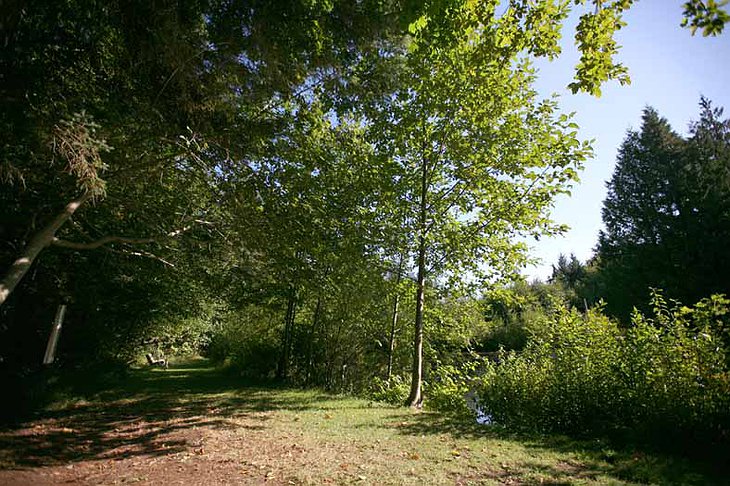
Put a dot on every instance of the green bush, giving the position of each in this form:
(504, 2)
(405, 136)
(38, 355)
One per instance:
(394, 391)
(447, 388)
(665, 375)
(516, 313)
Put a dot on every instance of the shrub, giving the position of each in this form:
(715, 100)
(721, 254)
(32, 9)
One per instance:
(394, 391)
(666, 374)
(447, 388)
(248, 341)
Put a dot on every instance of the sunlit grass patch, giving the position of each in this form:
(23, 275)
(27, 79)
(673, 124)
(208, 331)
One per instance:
(198, 418)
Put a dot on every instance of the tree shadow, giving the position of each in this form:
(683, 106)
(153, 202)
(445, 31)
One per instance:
(597, 457)
(146, 412)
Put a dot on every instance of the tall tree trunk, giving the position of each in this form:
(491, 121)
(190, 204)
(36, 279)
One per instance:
(415, 399)
(312, 331)
(283, 371)
(38, 242)
(394, 321)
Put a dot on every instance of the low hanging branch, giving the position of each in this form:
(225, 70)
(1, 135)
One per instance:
(38, 242)
(75, 140)
(92, 245)
(47, 237)
(146, 254)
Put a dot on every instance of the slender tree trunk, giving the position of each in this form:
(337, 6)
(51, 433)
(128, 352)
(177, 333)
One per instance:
(391, 341)
(394, 321)
(283, 370)
(415, 399)
(312, 331)
(289, 337)
(38, 242)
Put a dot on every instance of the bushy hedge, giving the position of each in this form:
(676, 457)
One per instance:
(448, 389)
(449, 386)
(394, 391)
(665, 375)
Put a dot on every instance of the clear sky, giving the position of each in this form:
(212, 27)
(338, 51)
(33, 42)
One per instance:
(669, 71)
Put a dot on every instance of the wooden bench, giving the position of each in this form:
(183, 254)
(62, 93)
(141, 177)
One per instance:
(156, 362)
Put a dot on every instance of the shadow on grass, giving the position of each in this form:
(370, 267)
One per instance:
(146, 412)
(594, 457)
(157, 413)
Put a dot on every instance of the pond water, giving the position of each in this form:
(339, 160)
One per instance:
(472, 401)
(483, 418)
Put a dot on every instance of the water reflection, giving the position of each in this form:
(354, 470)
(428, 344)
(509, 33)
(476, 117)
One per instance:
(472, 401)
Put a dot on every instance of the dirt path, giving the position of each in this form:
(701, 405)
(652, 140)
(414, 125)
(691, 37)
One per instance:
(180, 426)
(195, 426)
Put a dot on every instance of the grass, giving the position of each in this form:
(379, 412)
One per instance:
(193, 424)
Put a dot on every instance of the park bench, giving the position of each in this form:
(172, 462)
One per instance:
(156, 362)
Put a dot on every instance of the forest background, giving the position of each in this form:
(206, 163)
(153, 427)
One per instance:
(336, 194)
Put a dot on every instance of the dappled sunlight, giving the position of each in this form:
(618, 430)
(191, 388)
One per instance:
(188, 420)
(146, 414)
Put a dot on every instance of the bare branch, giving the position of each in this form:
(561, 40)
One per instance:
(146, 254)
(92, 245)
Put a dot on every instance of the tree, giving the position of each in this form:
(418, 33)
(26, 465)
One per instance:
(638, 211)
(572, 277)
(568, 272)
(477, 157)
(121, 124)
(707, 15)
(705, 215)
(171, 87)
(666, 213)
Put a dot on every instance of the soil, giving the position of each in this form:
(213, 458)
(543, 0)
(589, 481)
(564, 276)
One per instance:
(162, 435)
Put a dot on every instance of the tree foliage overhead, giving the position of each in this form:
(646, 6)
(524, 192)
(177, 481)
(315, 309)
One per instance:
(140, 114)
(478, 158)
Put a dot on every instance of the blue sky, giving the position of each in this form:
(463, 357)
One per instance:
(669, 71)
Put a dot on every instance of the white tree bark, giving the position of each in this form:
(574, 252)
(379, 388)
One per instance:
(40, 240)
(415, 399)
(47, 236)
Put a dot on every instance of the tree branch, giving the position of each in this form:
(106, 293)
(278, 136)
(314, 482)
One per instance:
(92, 245)
(146, 254)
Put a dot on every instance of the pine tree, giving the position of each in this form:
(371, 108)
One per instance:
(640, 213)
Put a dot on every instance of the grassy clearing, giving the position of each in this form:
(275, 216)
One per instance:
(195, 425)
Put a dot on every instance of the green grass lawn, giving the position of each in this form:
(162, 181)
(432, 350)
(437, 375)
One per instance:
(193, 424)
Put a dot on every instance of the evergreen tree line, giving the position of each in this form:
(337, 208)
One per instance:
(666, 218)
